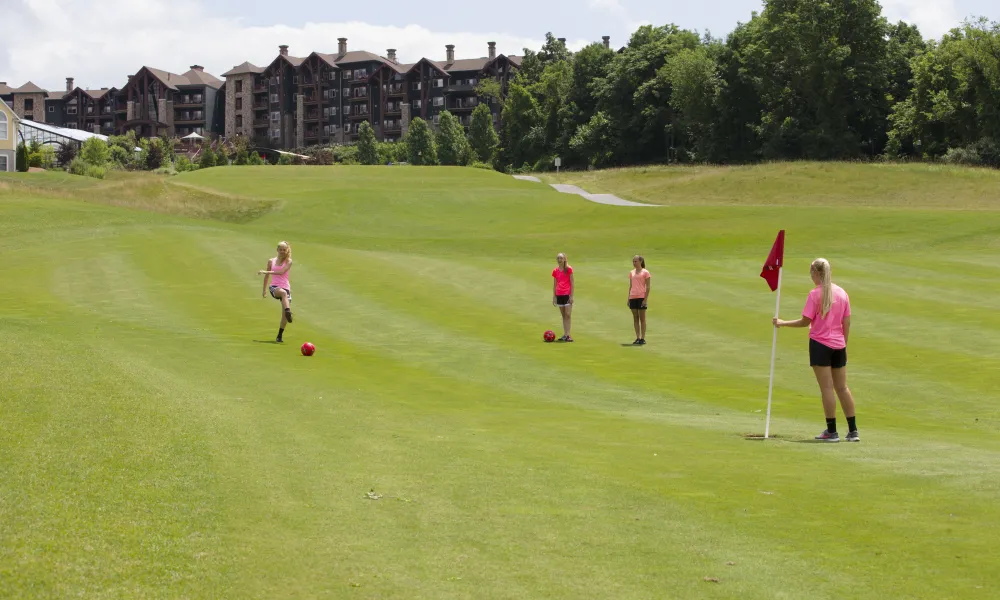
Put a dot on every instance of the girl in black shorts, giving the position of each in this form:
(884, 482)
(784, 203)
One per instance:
(638, 297)
(827, 314)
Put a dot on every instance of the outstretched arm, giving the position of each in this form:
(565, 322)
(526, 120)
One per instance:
(803, 322)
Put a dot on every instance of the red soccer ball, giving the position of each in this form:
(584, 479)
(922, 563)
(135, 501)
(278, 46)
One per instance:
(550, 336)
(308, 349)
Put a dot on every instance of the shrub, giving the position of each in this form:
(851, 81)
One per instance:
(392, 152)
(323, 156)
(207, 160)
(242, 157)
(284, 160)
(154, 154)
(420, 143)
(480, 165)
(66, 154)
(21, 161)
(347, 155)
(962, 156)
(256, 160)
(120, 156)
(81, 167)
(367, 145)
(95, 151)
(183, 164)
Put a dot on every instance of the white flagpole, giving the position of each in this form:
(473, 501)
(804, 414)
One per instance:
(774, 347)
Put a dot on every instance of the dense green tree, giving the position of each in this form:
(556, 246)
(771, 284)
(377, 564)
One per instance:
(521, 136)
(95, 152)
(420, 143)
(21, 158)
(482, 135)
(207, 159)
(452, 145)
(367, 145)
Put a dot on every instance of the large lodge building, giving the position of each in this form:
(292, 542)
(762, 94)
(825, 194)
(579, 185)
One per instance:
(292, 102)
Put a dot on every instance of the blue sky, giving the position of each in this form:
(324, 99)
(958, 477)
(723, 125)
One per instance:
(100, 42)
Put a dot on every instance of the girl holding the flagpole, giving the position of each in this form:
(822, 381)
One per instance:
(827, 314)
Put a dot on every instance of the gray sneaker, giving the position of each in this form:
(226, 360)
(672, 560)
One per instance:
(826, 436)
(852, 437)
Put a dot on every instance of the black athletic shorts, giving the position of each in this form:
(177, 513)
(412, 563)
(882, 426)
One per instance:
(636, 304)
(562, 300)
(274, 293)
(821, 355)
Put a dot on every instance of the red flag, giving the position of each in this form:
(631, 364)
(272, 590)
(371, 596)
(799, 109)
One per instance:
(775, 260)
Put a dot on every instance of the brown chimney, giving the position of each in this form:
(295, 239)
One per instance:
(69, 84)
(283, 49)
(391, 55)
(201, 68)
(607, 41)
(493, 49)
(450, 48)
(341, 46)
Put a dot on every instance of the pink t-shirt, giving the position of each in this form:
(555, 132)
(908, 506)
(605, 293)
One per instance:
(638, 282)
(279, 280)
(564, 287)
(828, 330)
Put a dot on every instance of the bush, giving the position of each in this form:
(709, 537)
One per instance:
(154, 154)
(21, 161)
(367, 145)
(347, 155)
(207, 160)
(120, 156)
(392, 152)
(41, 157)
(480, 165)
(256, 160)
(962, 156)
(182, 164)
(284, 160)
(66, 154)
(323, 156)
(242, 157)
(81, 167)
(95, 152)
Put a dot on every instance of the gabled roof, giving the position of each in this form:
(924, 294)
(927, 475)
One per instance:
(171, 80)
(243, 69)
(330, 59)
(30, 88)
(6, 89)
(11, 111)
(96, 94)
(435, 64)
(197, 77)
(464, 64)
(357, 56)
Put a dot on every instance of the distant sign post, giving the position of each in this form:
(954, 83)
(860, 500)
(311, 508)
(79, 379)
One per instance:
(558, 163)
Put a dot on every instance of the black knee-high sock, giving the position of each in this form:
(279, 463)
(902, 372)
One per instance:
(281, 332)
(831, 425)
(851, 426)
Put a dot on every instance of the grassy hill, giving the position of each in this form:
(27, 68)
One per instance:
(154, 443)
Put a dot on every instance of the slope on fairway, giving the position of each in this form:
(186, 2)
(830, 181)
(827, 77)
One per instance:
(152, 443)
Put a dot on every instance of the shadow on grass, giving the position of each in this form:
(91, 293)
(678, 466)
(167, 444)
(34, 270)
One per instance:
(269, 342)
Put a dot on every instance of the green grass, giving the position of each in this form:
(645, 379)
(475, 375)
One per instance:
(151, 446)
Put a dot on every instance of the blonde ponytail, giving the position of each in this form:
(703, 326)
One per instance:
(821, 267)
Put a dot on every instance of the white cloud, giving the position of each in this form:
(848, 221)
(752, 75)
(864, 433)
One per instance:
(933, 17)
(101, 42)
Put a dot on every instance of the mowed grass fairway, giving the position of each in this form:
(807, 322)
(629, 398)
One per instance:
(152, 444)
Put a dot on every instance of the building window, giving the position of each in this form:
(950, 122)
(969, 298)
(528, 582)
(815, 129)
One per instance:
(3, 164)
(4, 125)
(276, 116)
(438, 83)
(29, 104)
(274, 97)
(439, 101)
(52, 109)
(416, 104)
(239, 86)
(239, 104)
(437, 118)
(416, 86)
(239, 121)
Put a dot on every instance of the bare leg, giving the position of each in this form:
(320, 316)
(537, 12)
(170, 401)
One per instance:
(567, 313)
(824, 377)
(843, 392)
(642, 322)
(635, 323)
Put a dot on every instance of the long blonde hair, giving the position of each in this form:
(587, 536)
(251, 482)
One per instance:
(642, 261)
(821, 267)
(288, 253)
(565, 265)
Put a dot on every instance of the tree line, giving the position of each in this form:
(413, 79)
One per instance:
(803, 79)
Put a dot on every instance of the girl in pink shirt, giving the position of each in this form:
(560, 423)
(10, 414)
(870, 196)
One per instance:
(280, 288)
(638, 297)
(563, 287)
(827, 314)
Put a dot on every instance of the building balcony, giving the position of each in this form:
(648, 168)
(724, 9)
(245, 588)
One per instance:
(392, 127)
(393, 110)
(189, 121)
(459, 88)
(395, 89)
(312, 116)
(358, 116)
(359, 98)
(462, 106)
(261, 123)
(359, 78)
(188, 103)
(260, 105)
(260, 89)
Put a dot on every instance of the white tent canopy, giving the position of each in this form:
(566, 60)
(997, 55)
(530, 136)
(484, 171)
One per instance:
(193, 136)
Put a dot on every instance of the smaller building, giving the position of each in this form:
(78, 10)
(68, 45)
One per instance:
(8, 138)
(29, 102)
(6, 93)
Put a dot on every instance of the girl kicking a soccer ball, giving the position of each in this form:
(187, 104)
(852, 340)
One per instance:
(276, 274)
(827, 314)
(563, 288)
